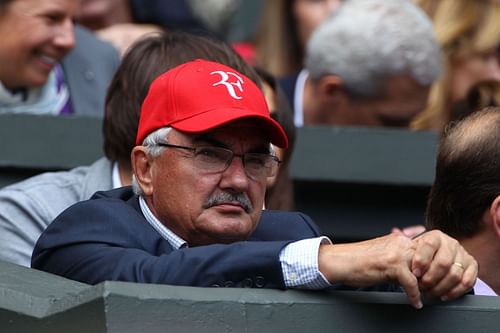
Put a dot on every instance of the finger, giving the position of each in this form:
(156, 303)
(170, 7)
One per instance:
(427, 247)
(446, 251)
(466, 284)
(450, 280)
(397, 231)
(409, 283)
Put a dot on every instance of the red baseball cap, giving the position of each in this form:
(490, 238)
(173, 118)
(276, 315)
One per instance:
(200, 95)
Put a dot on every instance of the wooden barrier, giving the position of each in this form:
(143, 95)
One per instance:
(34, 301)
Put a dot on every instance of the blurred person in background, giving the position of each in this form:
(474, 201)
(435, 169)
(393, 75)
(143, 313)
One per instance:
(371, 63)
(284, 28)
(480, 96)
(48, 66)
(216, 15)
(469, 35)
(122, 22)
(464, 201)
(114, 22)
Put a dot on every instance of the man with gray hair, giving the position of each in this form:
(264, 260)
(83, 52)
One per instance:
(371, 63)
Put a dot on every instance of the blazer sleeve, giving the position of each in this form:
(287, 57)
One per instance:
(100, 240)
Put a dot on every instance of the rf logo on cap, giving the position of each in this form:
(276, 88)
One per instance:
(229, 85)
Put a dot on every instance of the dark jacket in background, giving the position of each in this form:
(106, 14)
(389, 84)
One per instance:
(88, 69)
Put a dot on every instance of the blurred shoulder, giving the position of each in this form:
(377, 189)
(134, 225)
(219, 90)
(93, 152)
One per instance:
(85, 38)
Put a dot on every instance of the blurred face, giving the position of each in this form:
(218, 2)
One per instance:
(36, 35)
(309, 14)
(98, 14)
(402, 100)
(474, 69)
(203, 207)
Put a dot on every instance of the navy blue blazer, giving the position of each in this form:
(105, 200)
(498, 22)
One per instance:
(288, 84)
(108, 238)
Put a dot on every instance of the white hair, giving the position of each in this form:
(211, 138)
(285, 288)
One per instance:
(366, 41)
(151, 143)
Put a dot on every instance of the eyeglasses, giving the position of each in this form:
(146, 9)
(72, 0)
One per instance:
(218, 159)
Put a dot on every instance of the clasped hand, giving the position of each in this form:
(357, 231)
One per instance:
(432, 263)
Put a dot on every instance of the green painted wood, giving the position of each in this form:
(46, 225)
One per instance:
(33, 301)
(47, 142)
(364, 156)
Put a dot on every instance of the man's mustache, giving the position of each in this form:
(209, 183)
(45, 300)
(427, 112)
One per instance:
(225, 197)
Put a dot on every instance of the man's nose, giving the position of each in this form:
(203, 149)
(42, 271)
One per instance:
(235, 176)
(65, 35)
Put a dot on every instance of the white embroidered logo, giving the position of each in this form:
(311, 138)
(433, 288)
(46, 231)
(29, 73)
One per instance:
(230, 85)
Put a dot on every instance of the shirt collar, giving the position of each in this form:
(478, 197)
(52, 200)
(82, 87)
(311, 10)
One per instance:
(115, 176)
(175, 241)
(481, 288)
(298, 102)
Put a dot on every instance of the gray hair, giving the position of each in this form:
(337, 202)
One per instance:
(151, 143)
(366, 41)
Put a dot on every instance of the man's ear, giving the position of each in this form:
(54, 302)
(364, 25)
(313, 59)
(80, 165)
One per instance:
(495, 215)
(330, 86)
(142, 167)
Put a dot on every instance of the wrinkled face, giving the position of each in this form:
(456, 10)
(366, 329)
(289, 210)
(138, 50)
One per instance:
(471, 70)
(193, 202)
(36, 35)
(309, 14)
(402, 100)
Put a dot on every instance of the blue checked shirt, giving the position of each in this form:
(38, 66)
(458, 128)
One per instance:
(299, 260)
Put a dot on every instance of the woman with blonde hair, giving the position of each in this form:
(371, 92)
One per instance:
(469, 34)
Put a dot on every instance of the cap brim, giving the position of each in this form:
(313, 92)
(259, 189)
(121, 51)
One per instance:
(208, 120)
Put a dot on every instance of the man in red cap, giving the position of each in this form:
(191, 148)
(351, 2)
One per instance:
(200, 166)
